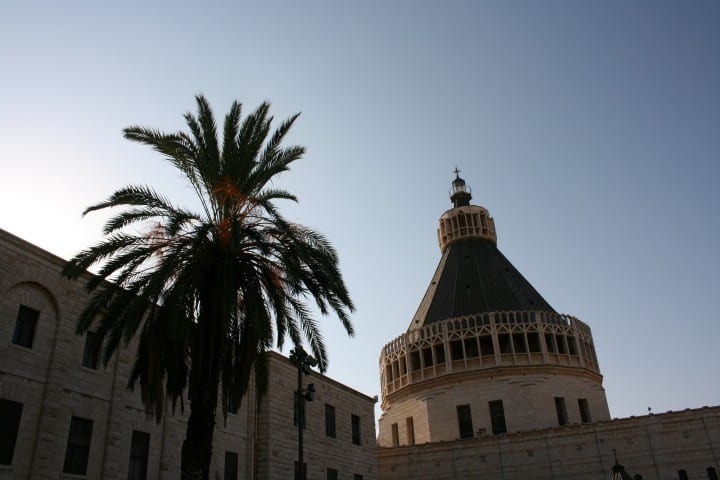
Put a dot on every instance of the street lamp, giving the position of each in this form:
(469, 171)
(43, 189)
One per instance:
(303, 361)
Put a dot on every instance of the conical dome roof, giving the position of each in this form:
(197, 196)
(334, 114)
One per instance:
(473, 276)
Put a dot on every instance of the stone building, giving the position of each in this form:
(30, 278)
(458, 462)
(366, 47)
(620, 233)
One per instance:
(63, 415)
(490, 381)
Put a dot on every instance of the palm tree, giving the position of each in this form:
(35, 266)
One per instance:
(209, 293)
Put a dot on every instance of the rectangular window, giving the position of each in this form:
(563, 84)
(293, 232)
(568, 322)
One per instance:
(91, 353)
(10, 413)
(471, 347)
(456, 350)
(231, 466)
(439, 353)
(355, 424)
(357, 477)
(505, 343)
(572, 345)
(561, 344)
(561, 411)
(298, 411)
(297, 471)
(534, 342)
(329, 421)
(332, 474)
(486, 345)
(395, 435)
(519, 343)
(550, 343)
(497, 417)
(415, 360)
(24, 332)
(427, 357)
(465, 421)
(139, 448)
(78, 446)
(410, 427)
(584, 407)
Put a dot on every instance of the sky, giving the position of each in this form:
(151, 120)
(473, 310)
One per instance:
(590, 130)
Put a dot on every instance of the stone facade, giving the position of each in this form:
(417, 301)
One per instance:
(445, 364)
(488, 381)
(657, 447)
(48, 380)
(528, 399)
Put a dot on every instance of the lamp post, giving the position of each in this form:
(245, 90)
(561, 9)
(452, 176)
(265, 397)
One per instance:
(303, 361)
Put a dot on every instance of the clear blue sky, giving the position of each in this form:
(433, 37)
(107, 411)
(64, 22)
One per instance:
(590, 130)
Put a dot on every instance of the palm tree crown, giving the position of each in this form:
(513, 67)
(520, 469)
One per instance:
(209, 292)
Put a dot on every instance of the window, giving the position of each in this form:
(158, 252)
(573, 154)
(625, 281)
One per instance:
(298, 411)
(456, 350)
(395, 435)
(572, 346)
(550, 343)
(357, 477)
(561, 411)
(497, 417)
(25, 326)
(505, 342)
(355, 424)
(638, 477)
(139, 447)
(410, 427)
(584, 410)
(486, 345)
(332, 474)
(329, 420)
(519, 343)
(91, 353)
(427, 357)
(439, 353)
(561, 344)
(471, 347)
(712, 474)
(414, 360)
(534, 342)
(682, 475)
(78, 446)
(10, 413)
(465, 421)
(297, 471)
(231, 466)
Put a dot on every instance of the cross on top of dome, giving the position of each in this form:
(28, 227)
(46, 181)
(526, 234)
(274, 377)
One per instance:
(460, 194)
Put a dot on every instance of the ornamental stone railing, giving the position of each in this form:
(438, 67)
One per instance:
(486, 341)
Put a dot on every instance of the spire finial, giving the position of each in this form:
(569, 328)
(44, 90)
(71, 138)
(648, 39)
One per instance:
(460, 193)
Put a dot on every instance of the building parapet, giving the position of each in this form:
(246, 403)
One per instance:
(486, 341)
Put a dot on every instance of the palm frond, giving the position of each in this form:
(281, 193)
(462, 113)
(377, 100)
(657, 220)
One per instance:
(207, 295)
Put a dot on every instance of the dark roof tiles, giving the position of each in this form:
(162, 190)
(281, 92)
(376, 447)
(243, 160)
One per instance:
(473, 277)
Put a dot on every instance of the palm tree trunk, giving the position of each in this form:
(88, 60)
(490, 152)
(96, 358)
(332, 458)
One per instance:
(197, 447)
(206, 361)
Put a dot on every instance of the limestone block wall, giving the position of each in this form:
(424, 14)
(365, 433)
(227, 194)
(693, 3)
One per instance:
(408, 407)
(528, 397)
(277, 445)
(48, 379)
(656, 447)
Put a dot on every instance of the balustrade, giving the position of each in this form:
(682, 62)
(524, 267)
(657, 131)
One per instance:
(486, 341)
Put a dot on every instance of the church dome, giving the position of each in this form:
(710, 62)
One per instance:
(486, 346)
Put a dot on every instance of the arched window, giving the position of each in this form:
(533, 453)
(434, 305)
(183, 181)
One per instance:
(682, 475)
